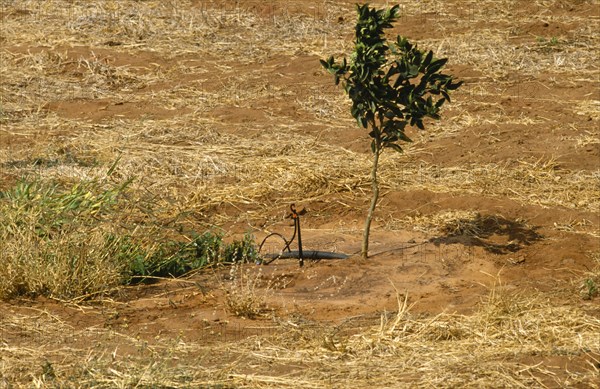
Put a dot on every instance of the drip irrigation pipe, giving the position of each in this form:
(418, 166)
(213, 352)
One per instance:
(308, 254)
(297, 254)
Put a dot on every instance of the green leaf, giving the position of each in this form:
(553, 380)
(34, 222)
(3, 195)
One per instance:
(395, 147)
(446, 95)
(436, 65)
(454, 86)
(402, 136)
(361, 121)
(428, 59)
(413, 71)
(372, 106)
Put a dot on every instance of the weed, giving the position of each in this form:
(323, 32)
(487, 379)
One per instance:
(548, 45)
(174, 259)
(208, 246)
(590, 286)
(65, 242)
(242, 251)
(48, 371)
(243, 295)
(60, 241)
(589, 289)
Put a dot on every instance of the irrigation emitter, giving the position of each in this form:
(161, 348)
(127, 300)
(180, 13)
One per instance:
(299, 254)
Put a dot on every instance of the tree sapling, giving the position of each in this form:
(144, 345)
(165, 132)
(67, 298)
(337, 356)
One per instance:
(391, 84)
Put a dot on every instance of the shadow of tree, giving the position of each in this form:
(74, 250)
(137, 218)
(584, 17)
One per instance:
(495, 234)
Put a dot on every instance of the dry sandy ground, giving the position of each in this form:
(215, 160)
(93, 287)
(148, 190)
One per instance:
(235, 120)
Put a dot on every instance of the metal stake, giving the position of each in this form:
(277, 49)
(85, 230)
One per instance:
(296, 218)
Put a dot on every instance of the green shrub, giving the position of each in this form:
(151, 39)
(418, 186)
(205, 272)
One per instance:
(241, 251)
(175, 259)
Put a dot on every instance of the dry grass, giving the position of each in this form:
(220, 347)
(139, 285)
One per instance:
(192, 155)
(244, 295)
(210, 168)
(188, 163)
(537, 182)
(447, 222)
(511, 340)
(61, 242)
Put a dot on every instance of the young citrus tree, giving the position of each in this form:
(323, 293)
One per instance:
(392, 85)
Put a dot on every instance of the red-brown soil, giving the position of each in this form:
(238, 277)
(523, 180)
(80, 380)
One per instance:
(516, 116)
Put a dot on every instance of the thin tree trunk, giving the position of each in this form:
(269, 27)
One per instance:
(375, 188)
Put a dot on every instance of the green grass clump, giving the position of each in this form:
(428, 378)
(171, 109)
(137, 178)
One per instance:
(241, 251)
(74, 241)
(175, 259)
(61, 241)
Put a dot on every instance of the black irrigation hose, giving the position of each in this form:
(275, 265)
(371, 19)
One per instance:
(307, 254)
(272, 256)
(287, 243)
